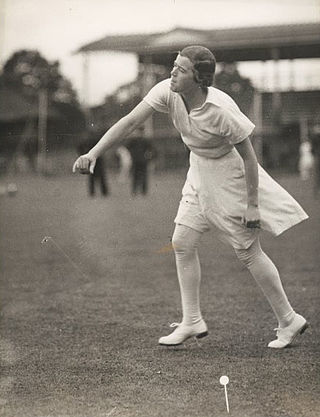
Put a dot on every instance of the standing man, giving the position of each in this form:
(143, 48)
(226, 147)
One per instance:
(142, 153)
(315, 144)
(99, 174)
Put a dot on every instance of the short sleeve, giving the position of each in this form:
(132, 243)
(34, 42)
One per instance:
(158, 96)
(235, 126)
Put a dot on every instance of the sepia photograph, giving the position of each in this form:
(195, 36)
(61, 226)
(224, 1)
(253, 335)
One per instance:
(159, 208)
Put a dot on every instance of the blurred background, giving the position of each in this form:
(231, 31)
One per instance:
(87, 285)
(77, 66)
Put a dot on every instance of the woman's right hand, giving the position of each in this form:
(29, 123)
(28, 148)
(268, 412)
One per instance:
(85, 164)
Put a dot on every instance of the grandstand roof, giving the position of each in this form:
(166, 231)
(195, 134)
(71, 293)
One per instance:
(236, 44)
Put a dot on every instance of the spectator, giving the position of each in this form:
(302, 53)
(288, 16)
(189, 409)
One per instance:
(125, 163)
(306, 160)
(315, 142)
(142, 153)
(99, 175)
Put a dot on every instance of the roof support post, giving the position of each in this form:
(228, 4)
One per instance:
(291, 74)
(42, 131)
(257, 139)
(264, 75)
(304, 129)
(276, 94)
(86, 86)
(148, 81)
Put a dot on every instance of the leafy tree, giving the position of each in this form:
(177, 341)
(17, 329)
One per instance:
(25, 74)
(28, 72)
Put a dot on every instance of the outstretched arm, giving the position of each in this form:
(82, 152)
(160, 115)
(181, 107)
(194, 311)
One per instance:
(246, 151)
(121, 129)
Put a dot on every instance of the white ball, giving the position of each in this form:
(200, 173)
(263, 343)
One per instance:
(224, 380)
(12, 188)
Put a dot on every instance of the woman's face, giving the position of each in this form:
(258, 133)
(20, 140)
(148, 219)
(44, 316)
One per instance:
(182, 76)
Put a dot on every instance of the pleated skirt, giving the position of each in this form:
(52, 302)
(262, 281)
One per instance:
(215, 195)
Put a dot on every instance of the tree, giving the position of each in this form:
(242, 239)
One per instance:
(41, 107)
(29, 72)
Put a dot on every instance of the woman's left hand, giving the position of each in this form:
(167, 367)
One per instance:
(252, 217)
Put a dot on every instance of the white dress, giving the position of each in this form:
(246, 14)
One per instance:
(215, 192)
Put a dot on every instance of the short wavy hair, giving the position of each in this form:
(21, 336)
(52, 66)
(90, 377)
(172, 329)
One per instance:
(204, 64)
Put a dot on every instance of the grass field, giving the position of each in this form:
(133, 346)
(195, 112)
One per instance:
(81, 313)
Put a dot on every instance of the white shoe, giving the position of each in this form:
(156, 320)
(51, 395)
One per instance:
(286, 335)
(184, 332)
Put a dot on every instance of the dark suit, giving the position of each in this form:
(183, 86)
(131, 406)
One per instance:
(142, 152)
(99, 171)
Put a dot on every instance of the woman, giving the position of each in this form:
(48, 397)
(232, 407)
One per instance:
(225, 188)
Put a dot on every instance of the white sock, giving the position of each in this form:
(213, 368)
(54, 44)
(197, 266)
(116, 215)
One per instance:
(267, 276)
(185, 242)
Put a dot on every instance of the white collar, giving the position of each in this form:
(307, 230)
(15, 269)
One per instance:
(213, 97)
